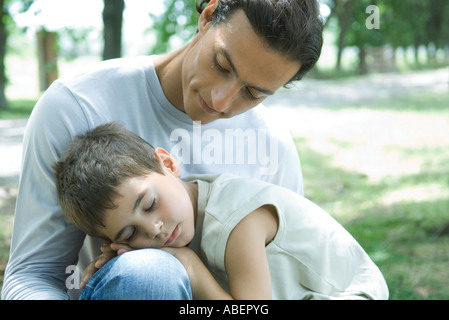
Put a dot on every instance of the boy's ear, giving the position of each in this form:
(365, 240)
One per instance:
(206, 16)
(167, 161)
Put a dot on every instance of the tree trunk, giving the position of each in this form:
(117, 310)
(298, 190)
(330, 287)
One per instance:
(3, 38)
(363, 67)
(344, 10)
(112, 32)
(416, 51)
(48, 58)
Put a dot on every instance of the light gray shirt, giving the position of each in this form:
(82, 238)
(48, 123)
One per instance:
(44, 244)
(311, 257)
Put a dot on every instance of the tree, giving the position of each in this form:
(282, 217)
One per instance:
(411, 23)
(179, 19)
(6, 23)
(436, 26)
(343, 11)
(112, 32)
(3, 39)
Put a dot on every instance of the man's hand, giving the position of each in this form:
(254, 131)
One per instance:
(109, 251)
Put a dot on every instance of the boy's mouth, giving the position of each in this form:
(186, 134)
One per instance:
(172, 236)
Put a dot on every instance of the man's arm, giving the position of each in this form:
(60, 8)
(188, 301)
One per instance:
(44, 243)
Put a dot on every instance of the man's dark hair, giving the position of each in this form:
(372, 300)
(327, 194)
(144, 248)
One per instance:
(292, 27)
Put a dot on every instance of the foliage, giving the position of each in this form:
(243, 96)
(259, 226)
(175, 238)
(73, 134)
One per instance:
(411, 23)
(403, 24)
(6, 25)
(18, 109)
(179, 21)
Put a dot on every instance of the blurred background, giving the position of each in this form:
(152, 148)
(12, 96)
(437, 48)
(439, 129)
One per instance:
(371, 121)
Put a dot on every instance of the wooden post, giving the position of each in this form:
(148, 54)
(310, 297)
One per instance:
(3, 39)
(48, 58)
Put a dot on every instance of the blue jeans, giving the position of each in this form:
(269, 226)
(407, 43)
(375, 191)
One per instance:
(147, 274)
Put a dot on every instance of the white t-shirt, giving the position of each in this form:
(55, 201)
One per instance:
(44, 243)
(311, 257)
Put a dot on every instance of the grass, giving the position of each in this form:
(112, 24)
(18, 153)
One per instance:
(424, 102)
(18, 108)
(381, 169)
(395, 201)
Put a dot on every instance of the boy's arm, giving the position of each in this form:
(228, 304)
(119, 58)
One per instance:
(245, 260)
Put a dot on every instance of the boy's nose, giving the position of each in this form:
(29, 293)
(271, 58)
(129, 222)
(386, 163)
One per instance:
(154, 229)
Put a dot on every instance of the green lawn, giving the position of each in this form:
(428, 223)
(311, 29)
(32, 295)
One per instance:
(20, 108)
(381, 169)
(387, 182)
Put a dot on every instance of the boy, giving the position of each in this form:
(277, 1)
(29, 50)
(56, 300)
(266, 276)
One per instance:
(258, 241)
(220, 78)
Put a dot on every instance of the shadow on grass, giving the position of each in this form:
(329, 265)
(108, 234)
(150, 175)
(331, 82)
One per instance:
(407, 238)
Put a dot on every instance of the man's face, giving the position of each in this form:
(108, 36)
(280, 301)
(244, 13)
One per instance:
(229, 69)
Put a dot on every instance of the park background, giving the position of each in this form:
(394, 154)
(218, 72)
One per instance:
(371, 121)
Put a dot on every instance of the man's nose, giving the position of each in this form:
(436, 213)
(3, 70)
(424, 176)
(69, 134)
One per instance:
(223, 96)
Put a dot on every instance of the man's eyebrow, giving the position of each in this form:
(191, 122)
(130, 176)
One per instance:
(228, 58)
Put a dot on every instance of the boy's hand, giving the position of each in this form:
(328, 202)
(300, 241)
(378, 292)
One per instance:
(109, 251)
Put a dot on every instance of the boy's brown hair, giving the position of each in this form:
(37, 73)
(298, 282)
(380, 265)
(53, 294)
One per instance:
(93, 166)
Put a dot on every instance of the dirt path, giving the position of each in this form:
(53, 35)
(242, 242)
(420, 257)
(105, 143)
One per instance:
(318, 93)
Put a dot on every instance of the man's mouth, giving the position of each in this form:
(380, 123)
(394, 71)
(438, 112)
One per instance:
(206, 107)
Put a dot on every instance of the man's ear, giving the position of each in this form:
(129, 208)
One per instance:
(167, 161)
(206, 16)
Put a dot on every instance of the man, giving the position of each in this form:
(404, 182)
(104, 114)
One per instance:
(198, 102)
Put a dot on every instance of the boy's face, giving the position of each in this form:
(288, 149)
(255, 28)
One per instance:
(153, 211)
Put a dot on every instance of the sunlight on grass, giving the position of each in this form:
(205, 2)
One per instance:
(417, 193)
(374, 143)
(385, 176)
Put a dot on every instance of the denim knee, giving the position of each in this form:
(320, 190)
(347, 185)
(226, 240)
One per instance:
(147, 274)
